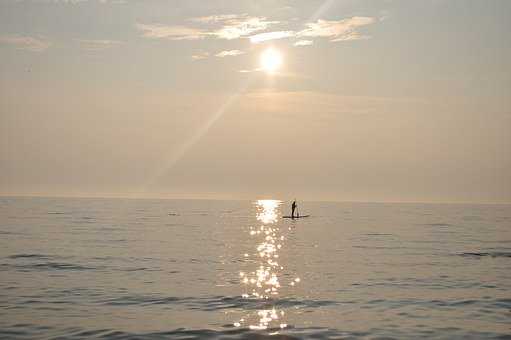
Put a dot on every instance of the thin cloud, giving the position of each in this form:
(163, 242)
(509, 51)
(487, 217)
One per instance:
(200, 56)
(216, 18)
(242, 26)
(250, 71)
(157, 31)
(261, 37)
(275, 74)
(231, 53)
(236, 26)
(337, 30)
(229, 27)
(351, 36)
(26, 43)
(303, 43)
(97, 45)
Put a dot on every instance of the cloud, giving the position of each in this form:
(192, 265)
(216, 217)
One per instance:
(303, 43)
(157, 31)
(228, 26)
(26, 43)
(261, 37)
(241, 26)
(97, 45)
(351, 36)
(200, 56)
(231, 53)
(216, 18)
(236, 26)
(250, 71)
(337, 30)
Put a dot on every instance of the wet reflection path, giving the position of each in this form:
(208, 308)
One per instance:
(264, 281)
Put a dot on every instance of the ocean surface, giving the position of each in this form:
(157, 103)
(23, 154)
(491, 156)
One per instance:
(185, 269)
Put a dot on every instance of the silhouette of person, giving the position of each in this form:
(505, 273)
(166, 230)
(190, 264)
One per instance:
(293, 208)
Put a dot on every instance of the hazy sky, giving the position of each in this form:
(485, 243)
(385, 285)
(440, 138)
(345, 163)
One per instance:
(373, 100)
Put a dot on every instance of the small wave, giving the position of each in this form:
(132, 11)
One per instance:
(226, 332)
(481, 304)
(230, 332)
(199, 213)
(215, 303)
(141, 300)
(87, 219)
(27, 331)
(378, 234)
(382, 247)
(42, 300)
(503, 303)
(487, 254)
(60, 266)
(440, 225)
(146, 218)
(139, 269)
(135, 269)
(472, 218)
(49, 266)
(7, 233)
(29, 256)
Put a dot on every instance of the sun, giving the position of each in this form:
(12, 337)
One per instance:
(270, 60)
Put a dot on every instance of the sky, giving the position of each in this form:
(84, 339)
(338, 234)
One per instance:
(401, 101)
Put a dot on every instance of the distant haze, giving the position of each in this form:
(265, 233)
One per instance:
(374, 101)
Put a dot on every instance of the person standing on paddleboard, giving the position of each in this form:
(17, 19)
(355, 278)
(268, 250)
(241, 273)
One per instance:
(293, 208)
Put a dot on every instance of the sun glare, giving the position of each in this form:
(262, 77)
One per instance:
(271, 60)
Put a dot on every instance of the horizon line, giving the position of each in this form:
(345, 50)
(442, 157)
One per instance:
(103, 196)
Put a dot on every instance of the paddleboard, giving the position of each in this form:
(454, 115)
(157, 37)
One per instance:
(301, 216)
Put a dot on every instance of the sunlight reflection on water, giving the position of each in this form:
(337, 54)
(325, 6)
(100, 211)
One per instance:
(146, 269)
(263, 282)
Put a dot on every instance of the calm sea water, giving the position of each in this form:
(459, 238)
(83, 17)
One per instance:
(122, 268)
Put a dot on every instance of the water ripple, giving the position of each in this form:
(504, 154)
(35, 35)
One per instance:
(29, 331)
(217, 302)
(488, 254)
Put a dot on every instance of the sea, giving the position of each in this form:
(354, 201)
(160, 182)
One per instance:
(89, 268)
